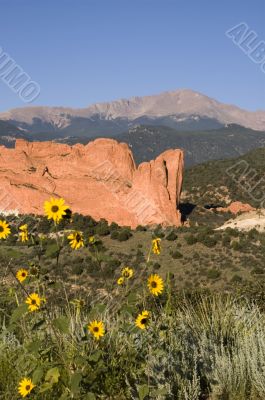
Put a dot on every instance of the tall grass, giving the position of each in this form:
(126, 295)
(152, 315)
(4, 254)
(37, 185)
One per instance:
(211, 348)
(205, 346)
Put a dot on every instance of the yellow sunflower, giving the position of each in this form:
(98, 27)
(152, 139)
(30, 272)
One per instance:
(25, 387)
(156, 246)
(21, 274)
(97, 329)
(142, 320)
(33, 301)
(120, 281)
(76, 240)
(91, 240)
(4, 229)
(55, 209)
(155, 284)
(24, 234)
(127, 272)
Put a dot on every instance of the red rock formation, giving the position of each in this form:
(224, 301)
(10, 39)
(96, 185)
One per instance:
(236, 207)
(99, 179)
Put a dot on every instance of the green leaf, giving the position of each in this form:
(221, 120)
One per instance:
(159, 352)
(52, 376)
(45, 386)
(101, 308)
(37, 375)
(160, 392)
(97, 310)
(132, 298)
(134, 330)
(75, 381)
(18, 312)
(128, 309)
(95, 356)
(33, 347)
(64, 396)
(90, 396)
(80, 361)
(143, 391)
(62, 324)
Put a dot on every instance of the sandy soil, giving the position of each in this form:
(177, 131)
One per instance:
(247, 221)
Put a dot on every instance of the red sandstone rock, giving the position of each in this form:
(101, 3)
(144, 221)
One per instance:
(99, 179)
(236, 207)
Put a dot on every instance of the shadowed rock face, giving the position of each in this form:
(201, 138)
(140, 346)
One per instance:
(99, 179)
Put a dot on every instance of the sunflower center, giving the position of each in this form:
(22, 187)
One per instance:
(144, 321)
(126, 274)
(96, 329)
(153, 285)
(27, 387)
(55, 209)
(23, 274)
(1, 229)
(33, 302)
(78, 238)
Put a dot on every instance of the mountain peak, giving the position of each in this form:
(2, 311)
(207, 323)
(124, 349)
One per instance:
(173, 104)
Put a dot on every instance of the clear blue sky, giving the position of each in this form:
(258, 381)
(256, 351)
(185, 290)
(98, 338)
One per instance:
(82, 52)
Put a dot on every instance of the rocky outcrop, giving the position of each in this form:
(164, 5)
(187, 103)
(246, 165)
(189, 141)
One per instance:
(236, 207)
(99, 179)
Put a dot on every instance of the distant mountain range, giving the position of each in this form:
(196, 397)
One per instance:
(205, 128)
(180, 109)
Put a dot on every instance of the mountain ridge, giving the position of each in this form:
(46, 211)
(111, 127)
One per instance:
(175, 105)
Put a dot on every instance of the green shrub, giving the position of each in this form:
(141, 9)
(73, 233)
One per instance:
(257, 271)
(156, 266)
(51, 250)
(176, 254)
(210, 242)
(232, 232)
(206, 240)
(78, 269)
(226, 240)
(114, 227)
(141, 228)
(124, 235)
(82, 222)
(102, 229)
(213, 274)
(158, 232)
(236, 245)
(190, 239)
(236, 279)
(114, 235)
(171, 236)
(253, 234)
(44, 225)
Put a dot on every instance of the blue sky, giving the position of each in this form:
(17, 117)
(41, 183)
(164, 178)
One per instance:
(82, 52)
